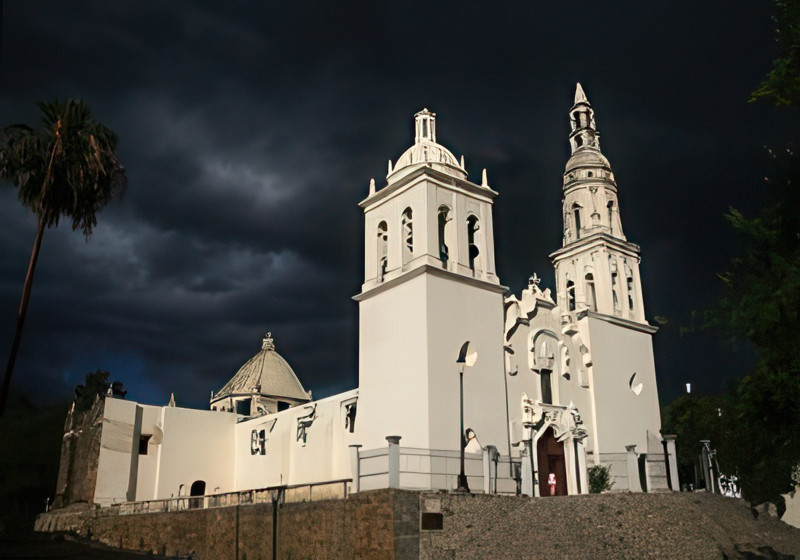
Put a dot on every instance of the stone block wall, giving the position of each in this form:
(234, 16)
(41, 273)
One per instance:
(399, 524)
(380, 524)
(80, 449)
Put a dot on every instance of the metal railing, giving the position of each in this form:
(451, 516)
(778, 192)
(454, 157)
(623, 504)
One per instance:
(328, 490)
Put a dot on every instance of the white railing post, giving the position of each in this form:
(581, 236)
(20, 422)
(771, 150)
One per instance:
(633, 469)
(394, 461)
(672, 463)
(355, 467)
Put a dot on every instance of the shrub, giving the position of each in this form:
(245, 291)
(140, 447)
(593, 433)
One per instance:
(600, 479)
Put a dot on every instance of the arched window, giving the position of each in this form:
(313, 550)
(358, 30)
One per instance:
(570, 295)
(472, 229)
(383, 250)
(611, 216)
(408, 235)
(445, 228)
(576, 213)
(614, 282)
(629, 277)
(578, 141)
(591, 295)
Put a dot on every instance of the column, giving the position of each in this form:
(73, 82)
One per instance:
(633, 469)
(394, 461)
(672, 462)
(355, 468)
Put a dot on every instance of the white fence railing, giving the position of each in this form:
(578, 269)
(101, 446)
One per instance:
(334, 489)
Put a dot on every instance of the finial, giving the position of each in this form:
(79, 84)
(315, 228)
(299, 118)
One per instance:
(172, 400)
(484, 179)
(268, 343)
(462, 161)
(389, 172)
(372, 186)
(580, 97)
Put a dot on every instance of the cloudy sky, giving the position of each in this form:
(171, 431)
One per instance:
(250, 132)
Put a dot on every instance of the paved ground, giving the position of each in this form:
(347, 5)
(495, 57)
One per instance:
(42, 547)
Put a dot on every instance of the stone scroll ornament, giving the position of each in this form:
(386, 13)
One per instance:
(304, 422)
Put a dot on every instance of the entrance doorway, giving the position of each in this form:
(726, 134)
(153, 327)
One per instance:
(551, 461)
(198, 489)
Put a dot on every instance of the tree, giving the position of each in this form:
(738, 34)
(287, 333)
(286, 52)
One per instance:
(761, 305)
(67, 168)
(782, 83)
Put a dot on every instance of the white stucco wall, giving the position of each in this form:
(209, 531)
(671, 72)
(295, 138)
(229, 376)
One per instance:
(150, 424)
(393, 366)
(287, 461)
(623, 418)
(197, 445)
(458, 312)
(117, 448)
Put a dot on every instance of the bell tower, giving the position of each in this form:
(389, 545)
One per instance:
(596, 268)
(429, 286)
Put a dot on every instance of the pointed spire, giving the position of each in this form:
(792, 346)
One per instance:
(372, 186)
(462, 161)
(172, 400)
(580, 96)
(484, 179)
(389, 172)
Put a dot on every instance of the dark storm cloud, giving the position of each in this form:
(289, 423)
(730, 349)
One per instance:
(250, 131)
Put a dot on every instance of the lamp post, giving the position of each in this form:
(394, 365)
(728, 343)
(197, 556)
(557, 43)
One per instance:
(466, 358)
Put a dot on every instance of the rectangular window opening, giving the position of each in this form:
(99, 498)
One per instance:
(144, 440)
(432, 522)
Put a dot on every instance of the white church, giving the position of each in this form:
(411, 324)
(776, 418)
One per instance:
(551, 385)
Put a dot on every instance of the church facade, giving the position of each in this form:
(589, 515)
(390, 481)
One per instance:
(552, 385)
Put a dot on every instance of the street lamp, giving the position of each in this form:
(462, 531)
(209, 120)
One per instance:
(466, 358)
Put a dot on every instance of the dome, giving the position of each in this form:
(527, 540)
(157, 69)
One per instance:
(587, 158)
(427, 152)
(266, 373)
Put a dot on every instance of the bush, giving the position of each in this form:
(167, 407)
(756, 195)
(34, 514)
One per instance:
(600, 479)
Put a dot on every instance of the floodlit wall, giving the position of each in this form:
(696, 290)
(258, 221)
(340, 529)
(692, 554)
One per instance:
(393, 366)
(116, 452)
(197, 445)
(151, 425)
(295, 451)
(623, 416)
(458, 312)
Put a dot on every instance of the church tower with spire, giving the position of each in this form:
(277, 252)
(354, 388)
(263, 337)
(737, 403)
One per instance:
(429, 286)
(597, 268)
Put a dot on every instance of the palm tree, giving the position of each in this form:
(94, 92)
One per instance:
(67, 168)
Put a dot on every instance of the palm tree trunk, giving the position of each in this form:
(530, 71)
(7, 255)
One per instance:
(23, 310)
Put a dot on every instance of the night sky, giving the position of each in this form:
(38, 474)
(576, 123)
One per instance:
(250, 132)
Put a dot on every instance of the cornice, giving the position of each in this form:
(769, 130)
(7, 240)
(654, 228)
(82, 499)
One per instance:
(599, 239)
(441, 178)
(614, 320)
(435, 271)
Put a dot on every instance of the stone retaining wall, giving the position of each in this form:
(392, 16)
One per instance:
(381, 524)
(398, 524)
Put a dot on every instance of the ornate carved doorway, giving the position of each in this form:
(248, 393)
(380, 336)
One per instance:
(550, 455)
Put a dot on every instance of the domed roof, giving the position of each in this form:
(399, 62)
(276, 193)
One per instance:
(587, 157)
(426, 150)
(266, 373)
